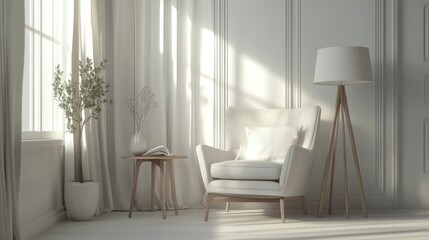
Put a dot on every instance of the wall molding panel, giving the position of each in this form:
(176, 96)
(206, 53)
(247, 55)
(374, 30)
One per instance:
(289, 52)
(426, 32)
(426, 146)
(294, 97)
(384, 179)
(393, 100)
(413, 91)
(379, 89)
(426, 88)
(221, 70)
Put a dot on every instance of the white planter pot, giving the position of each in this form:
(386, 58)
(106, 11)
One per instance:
(81, 199)
(138, 144)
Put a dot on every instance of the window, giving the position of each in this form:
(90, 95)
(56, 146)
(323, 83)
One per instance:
(45, 21)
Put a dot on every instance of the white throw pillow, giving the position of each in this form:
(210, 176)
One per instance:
(270, 144)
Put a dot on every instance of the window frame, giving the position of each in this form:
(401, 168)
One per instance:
(44, 119)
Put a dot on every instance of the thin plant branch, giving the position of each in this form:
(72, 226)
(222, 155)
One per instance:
(141, 106)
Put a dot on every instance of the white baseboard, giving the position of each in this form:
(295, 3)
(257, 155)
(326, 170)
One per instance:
(31, 229)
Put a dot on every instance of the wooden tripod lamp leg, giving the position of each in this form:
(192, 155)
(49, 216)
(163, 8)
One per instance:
(334, 150)
(354, 151)
(341, 106)
(346, 184)
(330, 152)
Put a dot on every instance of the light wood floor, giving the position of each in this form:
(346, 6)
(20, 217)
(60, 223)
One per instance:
(243, 224)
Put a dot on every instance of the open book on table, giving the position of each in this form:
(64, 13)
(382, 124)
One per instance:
(158, 150)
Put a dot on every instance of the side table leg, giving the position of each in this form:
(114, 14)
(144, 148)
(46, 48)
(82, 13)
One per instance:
(152, 194)
(133, 191)
(161, 166)
(173, 187)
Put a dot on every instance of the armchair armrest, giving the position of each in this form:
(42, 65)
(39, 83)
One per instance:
(296, 171)
(207, 156)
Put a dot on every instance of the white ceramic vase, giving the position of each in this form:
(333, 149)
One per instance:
(81, 200)
(138, 144)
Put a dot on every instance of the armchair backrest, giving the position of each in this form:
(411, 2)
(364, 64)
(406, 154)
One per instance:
(239, 118)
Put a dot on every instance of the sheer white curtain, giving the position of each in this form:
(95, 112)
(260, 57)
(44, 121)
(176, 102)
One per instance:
(89, 32)
(96, 133)
(169, 45)
(11, 73)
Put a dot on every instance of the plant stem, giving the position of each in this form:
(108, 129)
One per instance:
(77, 147)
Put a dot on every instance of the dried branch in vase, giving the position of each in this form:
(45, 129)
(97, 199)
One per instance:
(141, 106)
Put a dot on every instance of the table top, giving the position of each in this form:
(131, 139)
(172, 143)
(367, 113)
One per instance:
(155, 157)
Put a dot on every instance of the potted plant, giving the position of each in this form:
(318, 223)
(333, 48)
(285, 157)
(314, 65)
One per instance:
(141, 106)
(80, 98)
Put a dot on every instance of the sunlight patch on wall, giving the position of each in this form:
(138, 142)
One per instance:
(161, 27)
(207, 53)
(252, 84)
(206, 87)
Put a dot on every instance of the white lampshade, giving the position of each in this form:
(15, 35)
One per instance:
(343, 65)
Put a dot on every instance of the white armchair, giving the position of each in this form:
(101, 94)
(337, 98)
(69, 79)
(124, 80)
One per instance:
(230, 178)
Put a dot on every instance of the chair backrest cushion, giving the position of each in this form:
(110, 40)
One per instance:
(237, 119)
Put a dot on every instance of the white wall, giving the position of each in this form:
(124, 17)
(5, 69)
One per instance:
(41, 203)
(271, 53)
(414, 101)
(256, 53)
(270, 63)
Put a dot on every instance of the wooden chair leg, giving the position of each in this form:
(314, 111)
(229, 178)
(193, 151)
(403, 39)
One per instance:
(209, 200)
(304, 205)
(227, 207)
(282, 209)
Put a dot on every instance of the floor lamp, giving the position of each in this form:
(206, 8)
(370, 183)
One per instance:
(342, 66)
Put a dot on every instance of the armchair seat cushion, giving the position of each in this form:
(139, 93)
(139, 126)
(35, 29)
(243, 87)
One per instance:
(246, 170)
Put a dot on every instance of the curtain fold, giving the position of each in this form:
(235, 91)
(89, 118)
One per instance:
(97, 130)
(88, 41)
(11, 74)
(169, 45)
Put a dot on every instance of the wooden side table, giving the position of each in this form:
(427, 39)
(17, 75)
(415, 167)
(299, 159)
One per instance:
(155, 161)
